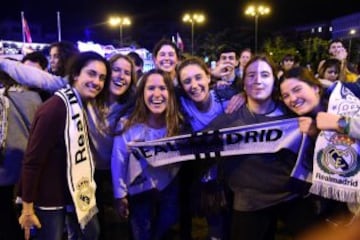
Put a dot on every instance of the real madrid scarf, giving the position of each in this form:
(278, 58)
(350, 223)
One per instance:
(268, 137)
(336, 159)
(80, 166)
(4, 110)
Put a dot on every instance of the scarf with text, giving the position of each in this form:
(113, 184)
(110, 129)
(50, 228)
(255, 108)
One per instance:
(80, 166)
(336, 159)
(267, 137)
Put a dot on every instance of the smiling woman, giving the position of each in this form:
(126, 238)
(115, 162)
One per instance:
(67, 161)
(145, 194)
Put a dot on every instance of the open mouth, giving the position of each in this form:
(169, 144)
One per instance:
(119, 83)
(93, 87)
(297, 104)
(157, 101)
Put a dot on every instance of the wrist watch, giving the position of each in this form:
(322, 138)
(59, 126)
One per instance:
(343, 124)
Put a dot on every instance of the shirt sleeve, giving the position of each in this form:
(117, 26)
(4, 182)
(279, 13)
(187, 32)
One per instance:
(119, 166)
(355, 128)
(32, 77)
(46, 132)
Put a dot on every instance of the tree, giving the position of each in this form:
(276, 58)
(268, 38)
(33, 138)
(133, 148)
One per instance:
(313, 50)
(277, 48)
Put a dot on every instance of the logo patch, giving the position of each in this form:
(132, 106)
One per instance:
(85, 194)
(338, 159)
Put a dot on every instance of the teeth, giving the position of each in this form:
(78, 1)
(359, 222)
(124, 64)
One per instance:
(297, 104)
(156, 101)
(119, 83)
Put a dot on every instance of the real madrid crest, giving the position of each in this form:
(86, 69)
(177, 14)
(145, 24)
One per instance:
(339, 157)
(85, 193)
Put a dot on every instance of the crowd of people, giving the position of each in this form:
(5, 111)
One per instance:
(66, 126)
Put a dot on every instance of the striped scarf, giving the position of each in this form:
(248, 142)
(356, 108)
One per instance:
(80, 166)
(267, 137)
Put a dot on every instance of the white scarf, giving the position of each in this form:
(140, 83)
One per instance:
(4, 110)
(80, 166)
(336, 158)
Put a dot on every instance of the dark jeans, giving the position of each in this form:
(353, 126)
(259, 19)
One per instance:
(9, 226)
(152, 213)
(53, 222)
(297, 215)
(104, 198)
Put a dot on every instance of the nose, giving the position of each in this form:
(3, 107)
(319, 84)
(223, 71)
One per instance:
(292, 97)
(257, 79)
(97, 80)
(194, 84)
(157, 92)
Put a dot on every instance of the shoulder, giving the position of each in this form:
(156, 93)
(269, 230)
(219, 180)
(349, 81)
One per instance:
(54, 106)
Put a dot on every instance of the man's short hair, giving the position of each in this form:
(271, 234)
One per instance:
(37, 57)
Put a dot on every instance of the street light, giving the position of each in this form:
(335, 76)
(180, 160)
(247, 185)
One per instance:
(256, 11)
(352, 32)
(192, 19)
(120, 21)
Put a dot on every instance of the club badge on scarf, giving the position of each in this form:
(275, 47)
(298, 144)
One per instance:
(80, 166)
(336, 158)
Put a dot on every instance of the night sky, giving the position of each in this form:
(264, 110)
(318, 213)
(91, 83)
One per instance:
(79, 15)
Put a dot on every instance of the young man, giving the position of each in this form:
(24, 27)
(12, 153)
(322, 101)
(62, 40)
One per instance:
(227, 83)
(338, 51)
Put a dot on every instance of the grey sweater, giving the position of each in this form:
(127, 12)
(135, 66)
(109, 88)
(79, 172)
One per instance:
(22, 107)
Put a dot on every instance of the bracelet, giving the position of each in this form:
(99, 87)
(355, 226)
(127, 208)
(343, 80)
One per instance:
(347, 126)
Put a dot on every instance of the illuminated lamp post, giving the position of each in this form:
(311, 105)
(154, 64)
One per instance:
(193, 19)
(256, 11)
(352, 32)
(120, 21)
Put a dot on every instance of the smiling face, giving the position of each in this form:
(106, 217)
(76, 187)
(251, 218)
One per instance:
(259, 81)
(156, 94)
(195, 83)
(120, 77)
(90, 80)
(299, 96)
(166, 59)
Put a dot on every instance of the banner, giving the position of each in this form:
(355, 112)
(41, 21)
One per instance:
(268, 137)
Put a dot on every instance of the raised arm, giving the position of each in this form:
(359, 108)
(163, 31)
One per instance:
(32, 77)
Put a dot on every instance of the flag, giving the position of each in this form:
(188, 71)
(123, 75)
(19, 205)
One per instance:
(26, 30)
(179, 42)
